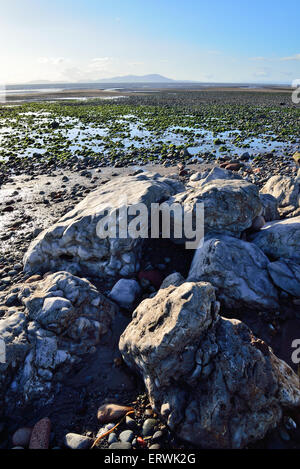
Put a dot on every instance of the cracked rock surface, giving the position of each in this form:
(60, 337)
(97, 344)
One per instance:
(208, 377)
(56, 322)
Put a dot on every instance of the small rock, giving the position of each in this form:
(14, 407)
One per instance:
(125, 292)
(157, 436)
(126, 436)
(108, 413)
(33, 278)
(155, 446)
(22, 437)
(131, 423)
(120, 445)
(40, 436)
(112, 438)
(284, 435)
(149, 427)
(141, 442)
(75, 441)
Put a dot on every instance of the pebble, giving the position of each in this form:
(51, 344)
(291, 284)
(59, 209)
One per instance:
(75, 441)
(22, 437)
(40, 436)
(105, 429)
(149, 427)
(284, 435)
(126, 436)
(131, 424)
(120, 445)
(156, 446)
(33, 278)
(112, 438)
(157, 436)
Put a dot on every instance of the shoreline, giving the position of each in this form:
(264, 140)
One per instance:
(106, 94)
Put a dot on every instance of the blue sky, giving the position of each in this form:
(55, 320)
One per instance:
(216, 40)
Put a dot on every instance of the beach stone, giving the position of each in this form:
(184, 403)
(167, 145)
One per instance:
(286, 191)
(286, 275)
(120, 445)
(72, 244)
(125, 292)
(75, 441)
(22, 437)
(112, 438)
(108, 413)
(40, 436)
(230, 206)
(126, 436)
(270, 207)
(157, 436)
(155, 446)
(149, 427)
(175, 279)
(209, 378)
(239, 271)
(131, 423)
(33, 278)
(280, 239)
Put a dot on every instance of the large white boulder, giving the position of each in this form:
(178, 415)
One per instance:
(73, 244)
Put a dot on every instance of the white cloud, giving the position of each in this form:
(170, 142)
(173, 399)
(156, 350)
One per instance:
(293, 57)
(51, 60)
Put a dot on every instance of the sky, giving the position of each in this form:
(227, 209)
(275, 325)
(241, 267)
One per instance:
(203, 40)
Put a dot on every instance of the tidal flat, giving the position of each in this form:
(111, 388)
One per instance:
(163, 128)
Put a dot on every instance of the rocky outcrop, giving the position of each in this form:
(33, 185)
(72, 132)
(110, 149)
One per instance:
(208, 377)
(239, 271)
(63, 319)
(230, 206)
(280, 239)
(286, 191)
(73, 244)
(286, 275)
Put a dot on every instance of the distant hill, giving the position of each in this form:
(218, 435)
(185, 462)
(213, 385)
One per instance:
(153, 78)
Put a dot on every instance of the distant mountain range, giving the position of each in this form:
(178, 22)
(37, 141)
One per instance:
(153, 78)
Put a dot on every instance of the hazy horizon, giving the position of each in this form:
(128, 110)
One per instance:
(83, 41)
